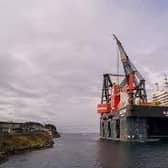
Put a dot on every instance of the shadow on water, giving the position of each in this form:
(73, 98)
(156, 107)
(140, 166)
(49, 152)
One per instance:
(132, 155)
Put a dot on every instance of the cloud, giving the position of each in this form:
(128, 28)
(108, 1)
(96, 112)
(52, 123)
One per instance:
(53, 55)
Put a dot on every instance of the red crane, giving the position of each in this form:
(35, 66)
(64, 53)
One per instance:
(133, 85)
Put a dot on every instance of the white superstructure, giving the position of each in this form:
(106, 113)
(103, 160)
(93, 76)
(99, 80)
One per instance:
(161, 96)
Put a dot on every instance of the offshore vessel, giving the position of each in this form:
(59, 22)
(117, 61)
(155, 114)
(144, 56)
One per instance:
(125, 112)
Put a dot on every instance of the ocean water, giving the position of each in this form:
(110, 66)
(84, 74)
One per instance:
(87, 151)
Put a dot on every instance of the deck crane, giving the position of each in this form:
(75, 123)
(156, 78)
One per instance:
(133, 85)
(134, 81)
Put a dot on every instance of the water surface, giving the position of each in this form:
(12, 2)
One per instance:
(86, 151)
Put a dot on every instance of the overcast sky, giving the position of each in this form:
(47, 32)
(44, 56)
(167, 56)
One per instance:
(53, 54)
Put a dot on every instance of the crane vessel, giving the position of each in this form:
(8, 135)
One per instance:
(125, 112)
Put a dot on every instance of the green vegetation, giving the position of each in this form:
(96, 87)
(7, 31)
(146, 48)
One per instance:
(11, 144)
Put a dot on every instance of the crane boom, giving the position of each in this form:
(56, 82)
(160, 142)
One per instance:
(133, 78)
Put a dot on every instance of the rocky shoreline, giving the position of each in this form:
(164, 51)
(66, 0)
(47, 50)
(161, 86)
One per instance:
(15, 144)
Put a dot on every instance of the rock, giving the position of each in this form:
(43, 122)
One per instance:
(53, 130)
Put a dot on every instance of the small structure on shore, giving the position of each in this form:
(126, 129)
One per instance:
(33, 126)
(11, 128)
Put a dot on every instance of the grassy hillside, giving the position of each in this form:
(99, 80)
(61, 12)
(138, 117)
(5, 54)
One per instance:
(17, 143)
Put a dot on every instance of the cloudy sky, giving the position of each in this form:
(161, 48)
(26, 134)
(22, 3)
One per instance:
(53, 54)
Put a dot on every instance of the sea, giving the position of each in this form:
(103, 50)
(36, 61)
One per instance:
(87, 151)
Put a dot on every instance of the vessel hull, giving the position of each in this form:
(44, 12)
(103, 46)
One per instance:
(135, 123)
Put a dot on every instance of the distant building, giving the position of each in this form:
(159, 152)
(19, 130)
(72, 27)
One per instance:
(8, 128)
(16, 128)
(33, 126)
(11, 127)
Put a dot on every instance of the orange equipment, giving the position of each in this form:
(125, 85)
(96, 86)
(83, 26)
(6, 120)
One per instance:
(115, 97)
(104, 108)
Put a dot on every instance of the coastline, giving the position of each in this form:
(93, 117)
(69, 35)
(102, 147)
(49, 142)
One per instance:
(16, 144)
